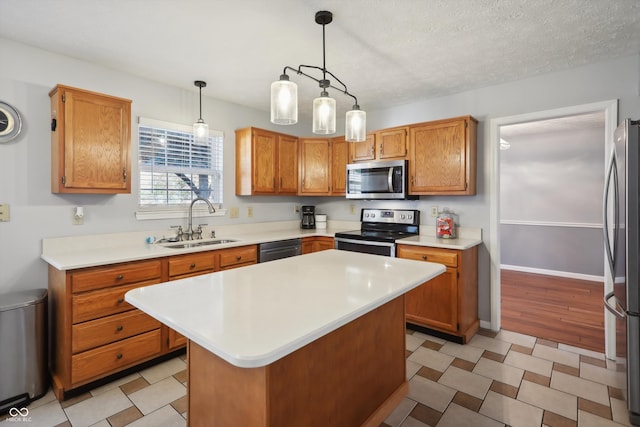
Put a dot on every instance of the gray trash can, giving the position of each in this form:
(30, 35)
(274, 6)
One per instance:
(23, 348)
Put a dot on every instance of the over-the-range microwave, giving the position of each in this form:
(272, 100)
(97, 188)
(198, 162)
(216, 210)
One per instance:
(378, 180)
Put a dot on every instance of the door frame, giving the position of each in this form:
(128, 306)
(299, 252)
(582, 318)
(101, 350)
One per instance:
(492, 135)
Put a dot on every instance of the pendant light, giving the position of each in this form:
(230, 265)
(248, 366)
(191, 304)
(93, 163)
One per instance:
(200, 128)
(284, 97)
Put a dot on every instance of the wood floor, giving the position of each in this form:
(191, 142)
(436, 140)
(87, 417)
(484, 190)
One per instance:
(568, 311)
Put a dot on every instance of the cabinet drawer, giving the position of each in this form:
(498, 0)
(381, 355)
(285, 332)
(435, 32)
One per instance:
(92, 305)
(441, 256)
(238, 256)
(102, 277)
(94, 333)
(113, 357)
(191, 263)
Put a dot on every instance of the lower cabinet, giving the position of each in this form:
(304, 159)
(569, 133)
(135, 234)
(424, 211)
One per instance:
(94, 333)
(447, 303)
(316, 244)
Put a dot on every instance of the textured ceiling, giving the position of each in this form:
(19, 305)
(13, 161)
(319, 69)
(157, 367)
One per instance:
(387, 52)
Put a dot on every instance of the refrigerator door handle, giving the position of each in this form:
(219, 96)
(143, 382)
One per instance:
(612, 171)
(615, 309)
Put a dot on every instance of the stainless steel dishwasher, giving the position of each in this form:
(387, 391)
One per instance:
(279, 249)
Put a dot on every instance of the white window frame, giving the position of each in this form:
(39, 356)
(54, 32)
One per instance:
(178, 210)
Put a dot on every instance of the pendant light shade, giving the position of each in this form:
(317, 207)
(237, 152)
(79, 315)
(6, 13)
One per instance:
(324, 114)
(284, 101)
(355, 125)
(200, 128)
(284, 97)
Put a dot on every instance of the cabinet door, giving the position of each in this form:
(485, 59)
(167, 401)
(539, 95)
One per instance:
(435, 303)
(288, 164)
(93, 132)
(392, 143)
(364, 150)
(315, 155)
(339, 160)
(264, 152)
(442, 159)
(323, 243)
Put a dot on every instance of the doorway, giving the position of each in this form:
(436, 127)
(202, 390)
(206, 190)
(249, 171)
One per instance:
(530, 228)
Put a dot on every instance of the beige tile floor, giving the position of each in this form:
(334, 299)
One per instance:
(496, 380)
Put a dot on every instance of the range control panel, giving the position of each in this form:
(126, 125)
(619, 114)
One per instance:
(391, 216)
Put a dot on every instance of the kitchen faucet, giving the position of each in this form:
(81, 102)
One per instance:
(190, 232)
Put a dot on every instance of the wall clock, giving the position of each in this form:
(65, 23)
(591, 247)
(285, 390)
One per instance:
(10, 122)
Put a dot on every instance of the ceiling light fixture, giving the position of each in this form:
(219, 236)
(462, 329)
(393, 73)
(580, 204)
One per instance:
(284, 98)
(200, 128)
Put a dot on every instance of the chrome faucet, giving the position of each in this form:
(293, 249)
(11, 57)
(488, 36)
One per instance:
(190, 232)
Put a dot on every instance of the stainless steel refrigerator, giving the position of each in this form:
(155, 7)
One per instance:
(622, 247)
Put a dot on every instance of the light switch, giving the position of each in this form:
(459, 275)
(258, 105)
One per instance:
(4, 213)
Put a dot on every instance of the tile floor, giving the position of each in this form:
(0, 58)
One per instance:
(495, 380)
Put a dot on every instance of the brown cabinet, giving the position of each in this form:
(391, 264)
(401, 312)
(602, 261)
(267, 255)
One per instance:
(442, 157)
(94, 332)
(316, 244)
(266, 163)
(237, 257)
(449, 302)
(391, 144)
(90, 142)
(364, 151)
(323, 166)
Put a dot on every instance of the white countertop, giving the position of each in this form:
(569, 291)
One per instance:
(68, 253)
(255, 315)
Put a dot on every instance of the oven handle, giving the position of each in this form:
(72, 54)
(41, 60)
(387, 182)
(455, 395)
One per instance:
(364, 242)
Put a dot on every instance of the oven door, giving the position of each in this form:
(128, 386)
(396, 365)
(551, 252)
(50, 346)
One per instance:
(366, 246)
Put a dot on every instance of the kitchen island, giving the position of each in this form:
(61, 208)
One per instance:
(317, 339)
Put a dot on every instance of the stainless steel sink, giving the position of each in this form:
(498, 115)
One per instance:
(192, 244)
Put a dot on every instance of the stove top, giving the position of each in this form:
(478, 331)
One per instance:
(385, 225)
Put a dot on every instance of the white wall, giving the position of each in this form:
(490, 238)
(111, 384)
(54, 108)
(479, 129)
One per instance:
(36, 213)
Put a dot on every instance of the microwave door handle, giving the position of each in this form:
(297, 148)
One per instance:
(390, 180)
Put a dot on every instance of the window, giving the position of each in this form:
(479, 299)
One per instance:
(173, 169)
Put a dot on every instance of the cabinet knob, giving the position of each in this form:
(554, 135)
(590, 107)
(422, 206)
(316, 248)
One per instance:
(424, 257)
(119, 356)
(119, 328)
(120, 277)
(120, 300)
(193, 265)
(238, 258)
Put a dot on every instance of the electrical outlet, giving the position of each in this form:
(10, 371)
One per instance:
(4, 213)
(434, 211)
(78, 216)
(249, 212)
(296, 209)
(352, 209)
(234, 212)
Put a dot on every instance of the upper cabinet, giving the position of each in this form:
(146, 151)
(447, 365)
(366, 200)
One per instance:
(323, 166)
(391, 143)
(90, 142)
(364, 151)
(442, 157)
(266, 163)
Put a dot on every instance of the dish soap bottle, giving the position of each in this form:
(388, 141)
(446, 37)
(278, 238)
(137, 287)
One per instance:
(446, 224)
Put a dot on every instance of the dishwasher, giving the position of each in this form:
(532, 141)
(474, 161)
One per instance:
(280, 249)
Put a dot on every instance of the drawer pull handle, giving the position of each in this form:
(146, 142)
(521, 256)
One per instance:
(120, 277)
(119, 328)
(193, 265)
(120, 300)
(238, 258)
(424, 257)
(119, 356)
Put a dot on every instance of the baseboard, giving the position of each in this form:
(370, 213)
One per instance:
(485, 325)
(566, 274)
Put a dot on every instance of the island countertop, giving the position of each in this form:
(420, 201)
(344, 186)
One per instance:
(255, 315)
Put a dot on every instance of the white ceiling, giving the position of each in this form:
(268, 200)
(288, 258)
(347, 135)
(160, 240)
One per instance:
(386, 52)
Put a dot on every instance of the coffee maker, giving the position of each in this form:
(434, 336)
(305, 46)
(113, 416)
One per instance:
(308, 217)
